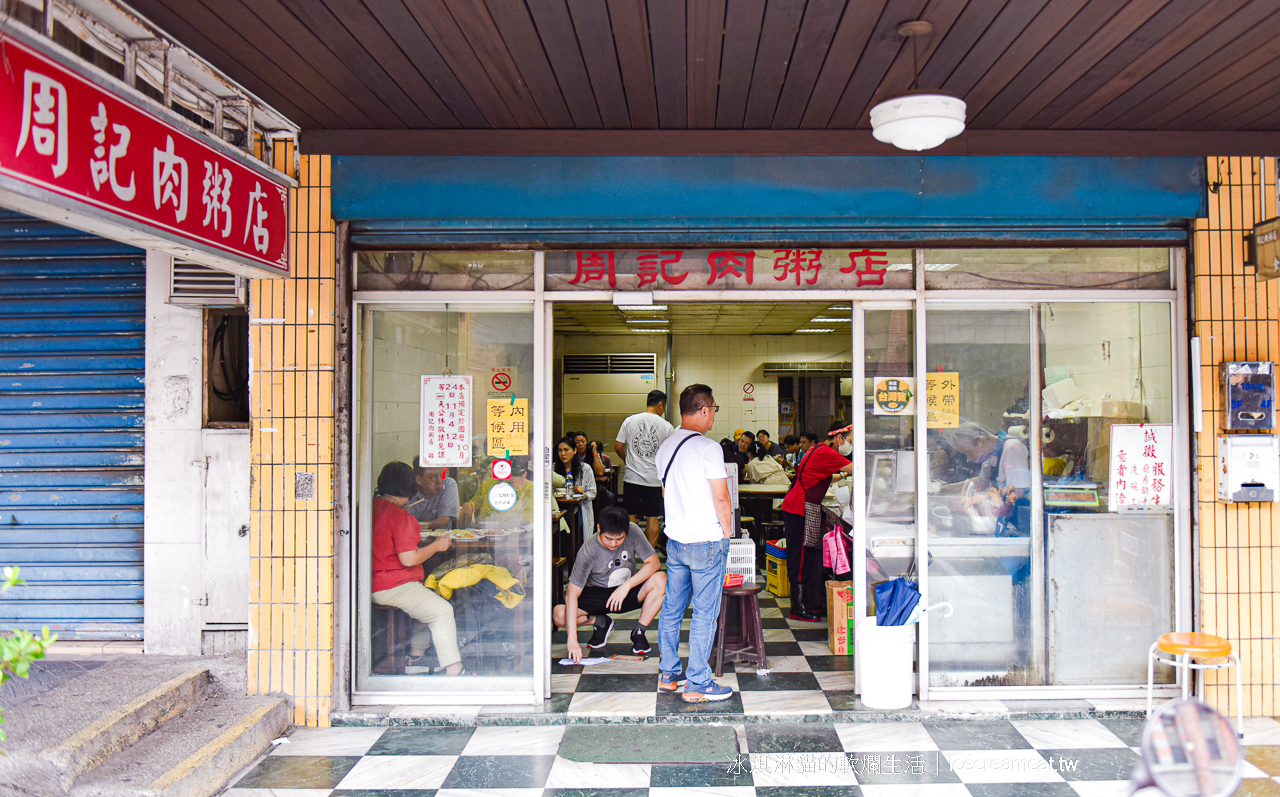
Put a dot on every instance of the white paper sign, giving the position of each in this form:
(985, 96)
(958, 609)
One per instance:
(444, 439)
(1141, 466)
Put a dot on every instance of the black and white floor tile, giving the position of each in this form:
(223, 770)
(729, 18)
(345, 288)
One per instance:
(1072, 758)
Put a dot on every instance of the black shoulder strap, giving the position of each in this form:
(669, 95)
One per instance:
(672, 461)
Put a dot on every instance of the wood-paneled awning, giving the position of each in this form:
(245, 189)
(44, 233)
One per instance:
(1040, 77)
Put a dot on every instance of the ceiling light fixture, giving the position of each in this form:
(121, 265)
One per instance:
(830, 320)
(815, 330)
(643, 308)
(917, 120)
(647, 321)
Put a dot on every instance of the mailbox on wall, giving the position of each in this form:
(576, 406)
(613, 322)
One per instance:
(1248, 396)
(1248, 467)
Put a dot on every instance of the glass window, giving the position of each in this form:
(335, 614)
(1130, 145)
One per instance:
(444, 271)
(1011, 269)
(445, 535)
(1105, 366)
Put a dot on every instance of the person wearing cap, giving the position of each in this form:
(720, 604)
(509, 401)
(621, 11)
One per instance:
(802, 518)
(398, 574)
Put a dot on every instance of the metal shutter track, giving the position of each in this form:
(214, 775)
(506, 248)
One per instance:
(72, 313)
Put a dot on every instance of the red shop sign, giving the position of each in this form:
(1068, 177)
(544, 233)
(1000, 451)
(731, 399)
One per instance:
(72, 150)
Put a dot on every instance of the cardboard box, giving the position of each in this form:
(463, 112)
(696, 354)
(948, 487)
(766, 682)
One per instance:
(840, 617)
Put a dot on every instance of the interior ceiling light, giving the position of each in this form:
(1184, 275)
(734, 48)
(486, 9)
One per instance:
(830, 320)
(643, 308)
(814, 329)
(917, 120)
(647, 321)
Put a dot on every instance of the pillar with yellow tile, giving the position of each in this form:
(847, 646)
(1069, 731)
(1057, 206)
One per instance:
(292, 326)
(1236, 317)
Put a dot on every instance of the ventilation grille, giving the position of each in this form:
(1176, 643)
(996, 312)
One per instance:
(194, 284)
(610, 363)
(844, 369)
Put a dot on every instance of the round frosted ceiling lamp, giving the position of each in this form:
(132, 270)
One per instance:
(918, 121)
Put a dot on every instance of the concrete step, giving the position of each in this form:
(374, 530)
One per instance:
(193, 755)
(86, 730)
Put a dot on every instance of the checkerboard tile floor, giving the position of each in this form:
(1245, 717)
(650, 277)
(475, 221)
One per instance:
(1087, 757)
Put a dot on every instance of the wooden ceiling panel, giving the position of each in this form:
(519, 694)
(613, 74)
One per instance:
(668, 41)
(705, 31)
(595, 36)
(395, 73)
(521, 38)
(1192, 62)
(821, 19)
(555, 31)
(480, 31)
(1133, 60)
(743, 21)
(400, 24)
(1121, 29)
(777, 42)
(630, 19)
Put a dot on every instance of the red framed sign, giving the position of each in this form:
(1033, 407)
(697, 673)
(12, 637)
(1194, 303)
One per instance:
(76, 150)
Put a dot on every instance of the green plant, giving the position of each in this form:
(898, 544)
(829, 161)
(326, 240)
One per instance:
(19, 649)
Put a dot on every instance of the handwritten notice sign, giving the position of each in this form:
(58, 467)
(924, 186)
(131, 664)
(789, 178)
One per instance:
(1141, 466)
(509, 427)
(942, 400)
(445, 437)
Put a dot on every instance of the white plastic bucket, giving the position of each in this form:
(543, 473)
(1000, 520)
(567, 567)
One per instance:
(884, 663)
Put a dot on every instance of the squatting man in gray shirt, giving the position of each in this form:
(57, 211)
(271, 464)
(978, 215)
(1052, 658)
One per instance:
(604, 580)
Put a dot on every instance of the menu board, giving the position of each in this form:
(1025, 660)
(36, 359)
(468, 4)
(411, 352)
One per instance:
(1141, 466)
(444, 439)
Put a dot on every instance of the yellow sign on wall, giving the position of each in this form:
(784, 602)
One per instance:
(942, 400)
(509, 427)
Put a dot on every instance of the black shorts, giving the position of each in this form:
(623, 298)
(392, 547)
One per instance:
(641, 500)
(593, 600)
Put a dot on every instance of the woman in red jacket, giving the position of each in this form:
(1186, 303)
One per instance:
(398, 573)
(803, 505)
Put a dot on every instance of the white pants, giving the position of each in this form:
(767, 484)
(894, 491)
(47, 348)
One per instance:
(432, 615)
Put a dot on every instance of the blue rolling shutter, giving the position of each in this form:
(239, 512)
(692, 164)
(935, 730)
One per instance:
(72, 312)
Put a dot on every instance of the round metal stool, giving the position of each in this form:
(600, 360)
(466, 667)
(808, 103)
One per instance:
(1194, 651)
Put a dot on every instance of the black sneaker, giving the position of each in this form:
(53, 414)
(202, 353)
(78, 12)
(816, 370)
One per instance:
(601, 636)
(640, 643)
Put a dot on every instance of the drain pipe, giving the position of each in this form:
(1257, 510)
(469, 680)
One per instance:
(670, 375)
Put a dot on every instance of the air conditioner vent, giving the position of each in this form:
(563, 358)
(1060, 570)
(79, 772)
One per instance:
(816, 368)
(193, 284)
(646, 363)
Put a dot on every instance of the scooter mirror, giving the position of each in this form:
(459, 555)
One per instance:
(1189, 750)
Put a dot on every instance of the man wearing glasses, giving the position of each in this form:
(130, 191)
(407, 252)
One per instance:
(696, 500)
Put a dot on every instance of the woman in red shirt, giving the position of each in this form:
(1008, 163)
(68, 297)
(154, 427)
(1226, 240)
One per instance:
(813, 477)
(398, 572)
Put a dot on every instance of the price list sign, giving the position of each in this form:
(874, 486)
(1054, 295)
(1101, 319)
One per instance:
(445, 438)
(1141, 464)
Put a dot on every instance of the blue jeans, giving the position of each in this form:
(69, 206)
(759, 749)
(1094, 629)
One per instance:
(695, 572)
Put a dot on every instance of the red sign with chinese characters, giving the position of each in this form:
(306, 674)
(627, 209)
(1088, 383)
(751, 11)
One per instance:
(732, 269)
(70, 136)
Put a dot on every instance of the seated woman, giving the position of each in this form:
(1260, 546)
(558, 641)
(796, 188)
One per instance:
(588, 452)
(764, 469)
(398, 573)
(584, 481)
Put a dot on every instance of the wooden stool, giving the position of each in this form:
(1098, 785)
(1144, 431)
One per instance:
(748, 645)
(396, 629)
(1189, 651)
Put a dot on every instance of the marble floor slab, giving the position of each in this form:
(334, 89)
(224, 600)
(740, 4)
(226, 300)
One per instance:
(328, 742)
(515, 740)
(835, 681)
(610, 704)
(784, 702)
(566, 774)
(1058, 734)
(876, 737)
(399, 772)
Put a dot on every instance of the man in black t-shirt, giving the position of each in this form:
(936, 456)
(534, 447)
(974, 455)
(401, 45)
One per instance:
(605, 579)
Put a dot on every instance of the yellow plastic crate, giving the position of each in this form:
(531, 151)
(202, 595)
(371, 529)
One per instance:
(775, 576)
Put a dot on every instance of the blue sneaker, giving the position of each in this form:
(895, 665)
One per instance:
(712, 691)
(669, 683)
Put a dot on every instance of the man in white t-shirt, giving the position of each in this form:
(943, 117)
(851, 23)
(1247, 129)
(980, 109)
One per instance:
(637, 445)
(699, 524)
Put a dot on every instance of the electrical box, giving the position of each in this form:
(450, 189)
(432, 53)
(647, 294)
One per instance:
(1248, 467)
(1248, 394)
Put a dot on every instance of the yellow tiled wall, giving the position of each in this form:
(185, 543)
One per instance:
(1236, 318)
(291, 623)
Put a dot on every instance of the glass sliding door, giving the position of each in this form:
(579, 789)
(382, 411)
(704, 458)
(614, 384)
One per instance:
(429, 405)
(985, 552)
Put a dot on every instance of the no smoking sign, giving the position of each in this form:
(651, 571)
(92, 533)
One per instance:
(501, 381)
